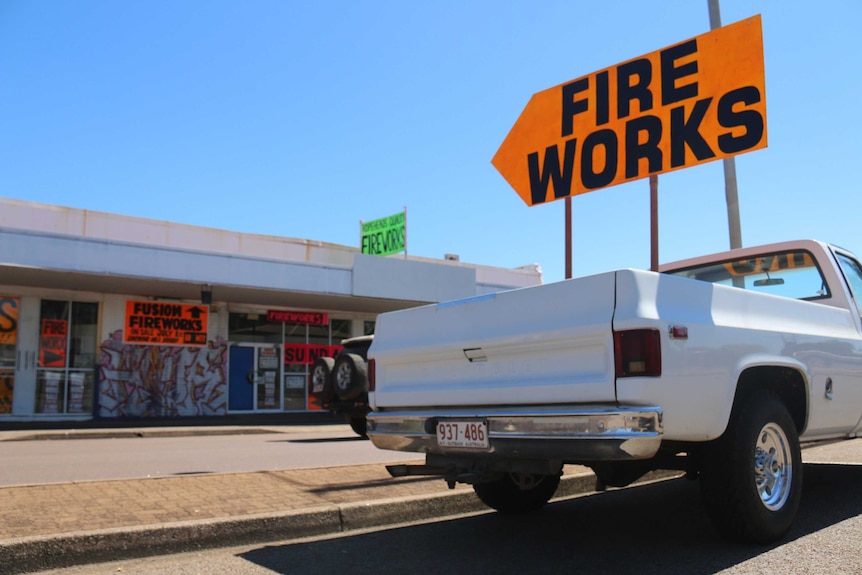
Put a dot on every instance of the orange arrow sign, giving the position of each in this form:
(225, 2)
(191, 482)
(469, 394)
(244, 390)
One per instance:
(694, 102)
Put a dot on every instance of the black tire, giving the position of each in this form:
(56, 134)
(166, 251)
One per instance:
(359, 425)
(518, 492)
(320, 380)
(620, 473)
(751, 478)
(349, 376)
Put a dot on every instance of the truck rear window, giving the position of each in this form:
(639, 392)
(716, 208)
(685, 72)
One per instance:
(791, 274)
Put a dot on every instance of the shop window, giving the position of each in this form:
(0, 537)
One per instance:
(268, 393)
(300, 344)
(311, 337)
(331, 334)
(253, 328)
(295, 374)
(340, 330)
(369, 328)
(68, 340)
(318, 334)
(8, 357)
(295, 333)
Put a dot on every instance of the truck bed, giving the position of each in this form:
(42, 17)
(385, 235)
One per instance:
(546, 345)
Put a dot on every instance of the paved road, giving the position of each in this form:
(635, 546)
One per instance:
(54, 461)
(654, 529)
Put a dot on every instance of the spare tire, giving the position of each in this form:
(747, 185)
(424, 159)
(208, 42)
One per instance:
(518, 492)
(320, 380)
(349, 376)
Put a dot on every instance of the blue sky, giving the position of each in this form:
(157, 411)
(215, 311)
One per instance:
(299, 119)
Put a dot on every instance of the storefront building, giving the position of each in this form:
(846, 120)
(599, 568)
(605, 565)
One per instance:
(109, 316)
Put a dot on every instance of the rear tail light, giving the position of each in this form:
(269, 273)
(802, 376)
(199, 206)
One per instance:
(372, 374)
(637, 353)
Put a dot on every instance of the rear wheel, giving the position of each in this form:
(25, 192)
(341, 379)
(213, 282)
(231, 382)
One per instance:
(751, 477)
(319, 381)
(518, 492)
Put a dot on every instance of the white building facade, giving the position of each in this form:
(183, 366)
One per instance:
(110, 316)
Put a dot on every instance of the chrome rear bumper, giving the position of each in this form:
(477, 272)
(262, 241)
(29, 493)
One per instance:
(583, 434)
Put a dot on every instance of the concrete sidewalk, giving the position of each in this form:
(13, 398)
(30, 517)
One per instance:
(56, 525)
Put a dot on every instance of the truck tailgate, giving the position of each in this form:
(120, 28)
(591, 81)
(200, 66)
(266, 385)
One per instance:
(548, 344)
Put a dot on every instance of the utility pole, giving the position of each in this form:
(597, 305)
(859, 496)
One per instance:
(730, 188)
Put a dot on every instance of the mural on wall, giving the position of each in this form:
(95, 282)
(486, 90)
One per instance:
(162, 381)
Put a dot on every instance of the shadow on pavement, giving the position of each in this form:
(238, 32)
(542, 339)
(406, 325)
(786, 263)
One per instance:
(373, 483)
(657, 528)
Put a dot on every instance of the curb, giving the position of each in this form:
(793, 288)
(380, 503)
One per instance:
(39, 553)
(120, 434)
(161, 432)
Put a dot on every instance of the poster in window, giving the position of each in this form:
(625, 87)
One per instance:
(52, 343)
(7, 384)
(307, 354)
(51, 402)
(269, 389)
(8, 320)
(76, 392)
(294, 381)
(267, 358)
(162, 323)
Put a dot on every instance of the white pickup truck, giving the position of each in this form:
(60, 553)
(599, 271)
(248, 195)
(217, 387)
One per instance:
(718, 366)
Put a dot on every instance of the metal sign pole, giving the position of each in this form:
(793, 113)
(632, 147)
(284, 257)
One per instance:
(653, 205)
(568, 238)
(730, 189)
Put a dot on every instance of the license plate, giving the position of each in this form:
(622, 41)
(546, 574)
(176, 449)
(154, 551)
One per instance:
(470, 434)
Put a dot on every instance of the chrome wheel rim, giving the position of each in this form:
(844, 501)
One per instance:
(773, 467)
(318, 379)
(342, 377)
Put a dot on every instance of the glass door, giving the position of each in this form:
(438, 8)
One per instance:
(66, 368)
(268, 390)
(254, 375)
